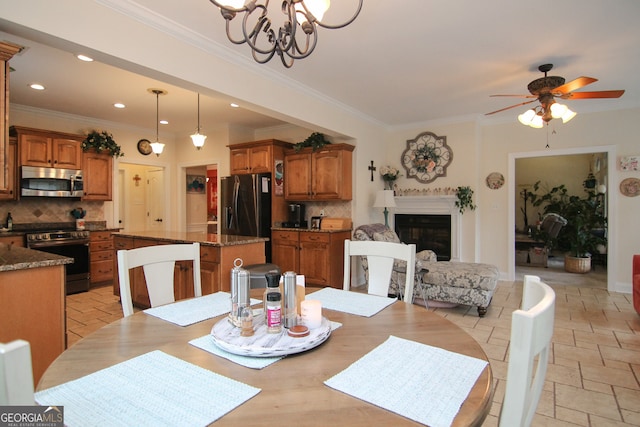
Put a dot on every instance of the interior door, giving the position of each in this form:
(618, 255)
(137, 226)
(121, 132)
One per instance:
(155, 200)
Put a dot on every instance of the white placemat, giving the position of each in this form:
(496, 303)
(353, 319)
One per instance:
(154, 389)
(351, 302)
(207, 343)
(394, 373)
(194, 310)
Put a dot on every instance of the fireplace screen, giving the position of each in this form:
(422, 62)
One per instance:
(427, 232)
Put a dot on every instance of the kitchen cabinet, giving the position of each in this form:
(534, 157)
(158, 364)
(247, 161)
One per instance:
(210, 269)
(101, 256)
(14, 240)
(318, 255)
(319, 175)
(98, 175)
(262, 157)
(126, 243)
(250, 160)
(32, 308)
(10, 192)
(42, 148)
(256, 156)
(7, 50)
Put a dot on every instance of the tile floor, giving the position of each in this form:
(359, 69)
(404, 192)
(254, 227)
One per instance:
(594, 374)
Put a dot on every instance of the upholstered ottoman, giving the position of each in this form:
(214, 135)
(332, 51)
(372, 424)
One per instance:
(459, 282)
(452, 282)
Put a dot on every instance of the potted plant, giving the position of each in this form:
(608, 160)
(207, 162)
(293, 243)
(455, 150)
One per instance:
(316, 140)
(585, 227)
(101, 142)
(465, 199)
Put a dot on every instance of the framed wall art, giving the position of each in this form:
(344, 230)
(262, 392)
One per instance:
(196, 184)
(426, 157)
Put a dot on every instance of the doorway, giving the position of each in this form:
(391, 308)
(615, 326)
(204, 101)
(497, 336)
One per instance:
(610, 200)
(141, 190)
(194, 207)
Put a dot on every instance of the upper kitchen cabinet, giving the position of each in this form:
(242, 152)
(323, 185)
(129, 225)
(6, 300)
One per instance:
(256, 156)
(7, 156)
(98, 175)
(319, 175)
(49, 149)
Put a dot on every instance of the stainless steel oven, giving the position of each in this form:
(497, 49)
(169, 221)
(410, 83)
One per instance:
(72, 244)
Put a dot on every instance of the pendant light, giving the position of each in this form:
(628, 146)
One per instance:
(157, 146)
(198, 138)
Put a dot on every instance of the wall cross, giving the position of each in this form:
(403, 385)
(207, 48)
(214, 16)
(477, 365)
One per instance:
(372, 169)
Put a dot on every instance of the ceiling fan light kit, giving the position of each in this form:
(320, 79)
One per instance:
(295, 39)
(546, 89)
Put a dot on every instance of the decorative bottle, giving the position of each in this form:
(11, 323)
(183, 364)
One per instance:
(274, 313)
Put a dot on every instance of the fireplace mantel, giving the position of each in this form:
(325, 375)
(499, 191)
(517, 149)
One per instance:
(434, 205)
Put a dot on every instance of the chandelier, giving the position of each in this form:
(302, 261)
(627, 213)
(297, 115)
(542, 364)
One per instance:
(198, 138)
(295, 39)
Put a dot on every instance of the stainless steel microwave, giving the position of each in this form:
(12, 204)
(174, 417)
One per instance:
(51, 182)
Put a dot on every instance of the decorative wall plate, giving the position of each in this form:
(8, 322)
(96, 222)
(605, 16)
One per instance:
(630, 187)
(426, 157)
(495, 180)
(144, 147)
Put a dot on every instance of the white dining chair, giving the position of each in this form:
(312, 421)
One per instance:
(380, 257)
(16, 374)
(531, 332)
(158, 263)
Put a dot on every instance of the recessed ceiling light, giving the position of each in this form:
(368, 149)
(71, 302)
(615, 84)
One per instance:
(234, 105)
(119, 105)
(36, 86)
(164, 122)
(84, 58)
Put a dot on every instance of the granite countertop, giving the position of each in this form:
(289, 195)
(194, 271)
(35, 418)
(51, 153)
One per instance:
(207, 239)
(17, 258)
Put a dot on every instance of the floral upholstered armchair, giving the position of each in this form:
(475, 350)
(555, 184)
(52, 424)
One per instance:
(380, 232)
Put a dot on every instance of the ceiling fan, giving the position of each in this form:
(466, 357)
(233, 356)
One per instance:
(546, 89)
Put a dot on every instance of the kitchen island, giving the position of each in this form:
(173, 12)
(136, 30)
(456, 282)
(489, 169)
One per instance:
(217, 253)
(32, 302)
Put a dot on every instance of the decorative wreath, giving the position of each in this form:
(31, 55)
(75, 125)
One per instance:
(426, 157)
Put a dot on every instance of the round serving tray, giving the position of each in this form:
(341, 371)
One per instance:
(261, 344)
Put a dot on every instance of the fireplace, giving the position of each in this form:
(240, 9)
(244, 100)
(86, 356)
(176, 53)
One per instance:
(431, 222)
(427, 232)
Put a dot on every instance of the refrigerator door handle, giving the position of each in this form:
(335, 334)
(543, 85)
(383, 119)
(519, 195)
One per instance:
(228, 216)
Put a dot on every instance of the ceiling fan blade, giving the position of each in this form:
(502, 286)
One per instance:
(573, 85)
(514, 96)
(513, 106)
(591, 95)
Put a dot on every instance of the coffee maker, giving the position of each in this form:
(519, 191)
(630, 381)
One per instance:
(296, 216)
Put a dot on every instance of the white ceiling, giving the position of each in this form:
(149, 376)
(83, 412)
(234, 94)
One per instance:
(400, 63)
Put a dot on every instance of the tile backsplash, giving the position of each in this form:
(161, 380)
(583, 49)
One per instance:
(331, 209)
(48, 210)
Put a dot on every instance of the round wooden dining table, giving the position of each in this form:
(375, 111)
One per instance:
(293, 389)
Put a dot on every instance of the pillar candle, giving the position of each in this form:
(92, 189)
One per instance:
(311, 313)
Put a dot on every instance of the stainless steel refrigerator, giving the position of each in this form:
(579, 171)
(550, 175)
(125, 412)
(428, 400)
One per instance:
(246, 206)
